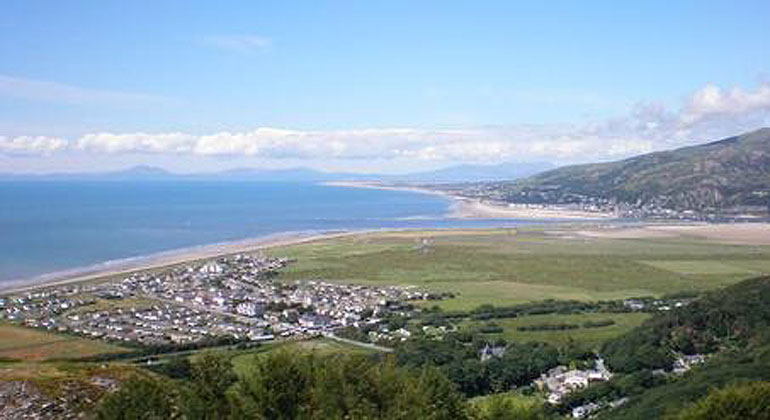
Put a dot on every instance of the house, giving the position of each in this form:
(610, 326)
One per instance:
(488, 352)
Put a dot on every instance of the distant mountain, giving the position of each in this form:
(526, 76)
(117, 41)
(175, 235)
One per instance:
(462, 173)
(475, 173)
(728, 173)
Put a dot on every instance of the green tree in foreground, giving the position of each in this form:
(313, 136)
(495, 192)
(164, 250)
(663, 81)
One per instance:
(509, 406)
(140, 399)
(291, 385)
(735, 402)
(287, 386)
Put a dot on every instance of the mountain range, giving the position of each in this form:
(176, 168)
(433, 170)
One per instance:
(460, 173)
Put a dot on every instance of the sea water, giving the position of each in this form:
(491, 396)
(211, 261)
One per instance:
(60, 225)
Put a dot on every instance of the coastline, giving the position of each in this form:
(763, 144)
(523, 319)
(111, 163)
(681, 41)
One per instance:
(752, 234)
(466, 208)
(165, 259)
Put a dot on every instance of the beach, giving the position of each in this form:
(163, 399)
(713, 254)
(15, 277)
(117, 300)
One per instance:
(164, 259)
(725, 233)
(466, 208)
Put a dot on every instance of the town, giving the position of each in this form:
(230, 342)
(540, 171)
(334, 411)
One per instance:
(231, 298)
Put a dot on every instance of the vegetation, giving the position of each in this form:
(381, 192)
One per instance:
(458, 357)
(732, 326)
(288, 385)
(505, 267)
(735, 402)
(591, 330)
(27, 344)
(731, 318)
(510, 406)
(726, 173)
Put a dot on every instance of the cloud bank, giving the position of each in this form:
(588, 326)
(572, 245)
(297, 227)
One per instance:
(708, 114)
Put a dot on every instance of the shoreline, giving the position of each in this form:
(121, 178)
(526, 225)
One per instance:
(751, 234)
(459, 209)
(466, 208)
(168, 258)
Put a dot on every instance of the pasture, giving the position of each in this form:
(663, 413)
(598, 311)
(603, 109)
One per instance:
(588, 337)
(509, 266)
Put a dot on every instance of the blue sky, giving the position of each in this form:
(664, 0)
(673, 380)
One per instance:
(391, 86)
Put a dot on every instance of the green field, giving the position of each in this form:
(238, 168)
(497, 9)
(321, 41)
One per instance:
(590, 337)
(508, 266)
(26, 344)
(319, 346)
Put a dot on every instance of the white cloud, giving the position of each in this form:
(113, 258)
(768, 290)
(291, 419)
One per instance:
(31, 145)
(40, 90)
(708, 114)
(712, 101)
(238, 43)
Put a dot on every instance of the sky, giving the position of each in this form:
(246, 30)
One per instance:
(372, 86)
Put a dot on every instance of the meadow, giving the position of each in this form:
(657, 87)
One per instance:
(31, 345)
(509, 266)
(591, 338)
(241, 360)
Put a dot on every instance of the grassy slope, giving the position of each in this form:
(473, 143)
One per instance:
(26, 344)
(320, 346)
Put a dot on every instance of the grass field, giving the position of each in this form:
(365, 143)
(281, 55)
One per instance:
(318, 346)
(506, 266)
(590, 337)
(26, 344)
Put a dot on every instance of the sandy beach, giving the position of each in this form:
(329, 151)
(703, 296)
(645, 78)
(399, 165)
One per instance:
(475, 209)
(726, 233)
(465, 208)
(164, 259)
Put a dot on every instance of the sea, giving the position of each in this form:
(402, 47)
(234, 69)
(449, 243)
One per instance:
(51, 228)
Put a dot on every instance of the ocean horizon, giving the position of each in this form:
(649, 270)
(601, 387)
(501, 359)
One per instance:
(53, 229)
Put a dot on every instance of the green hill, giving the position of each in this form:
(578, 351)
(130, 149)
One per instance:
(730, 326)
(726, 174)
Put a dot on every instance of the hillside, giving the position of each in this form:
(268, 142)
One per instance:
(728, 174)
(729, 326)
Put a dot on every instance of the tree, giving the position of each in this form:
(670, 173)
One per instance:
(734, 402)
(211, 376)
(140, 398)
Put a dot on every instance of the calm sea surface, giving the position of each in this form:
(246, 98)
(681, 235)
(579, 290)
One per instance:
(54, 226)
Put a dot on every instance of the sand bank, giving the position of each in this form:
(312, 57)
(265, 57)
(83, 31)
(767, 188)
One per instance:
(465, 208)
(727, 233)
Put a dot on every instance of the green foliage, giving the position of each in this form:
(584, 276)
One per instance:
(735, 402)
(282, 385)
(726, 318)
(285, 385)
(460, 362)
(140, 398)
(509, 406)
(211, 377)
(177, 367)
(732, 324)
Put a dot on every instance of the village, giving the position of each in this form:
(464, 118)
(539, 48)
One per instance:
(230, 298)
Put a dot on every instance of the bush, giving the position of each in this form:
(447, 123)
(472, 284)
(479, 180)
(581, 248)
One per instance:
(734, 402)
